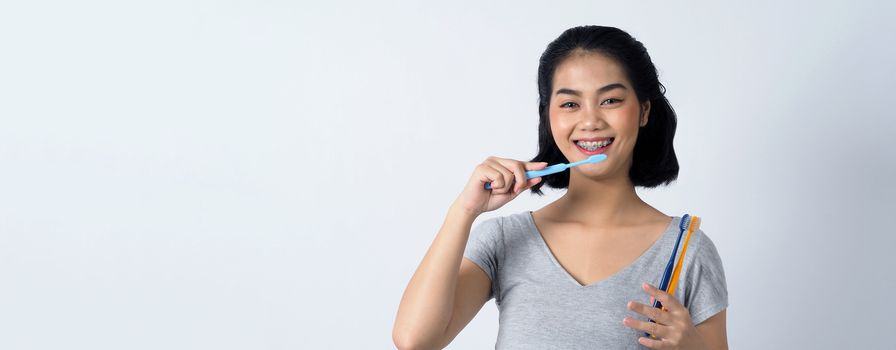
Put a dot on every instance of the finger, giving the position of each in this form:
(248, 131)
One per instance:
(492, 175)
(651, 312)
(520, 177)
(522, 183)
(505, 167)
(531, 182)
(506, 175)
(668, 301)
(536, 165)
(517, 177)
(649, 327)
(509, 181)
(651, 343)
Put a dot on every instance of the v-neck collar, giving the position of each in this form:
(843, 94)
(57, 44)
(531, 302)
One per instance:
(530, 219)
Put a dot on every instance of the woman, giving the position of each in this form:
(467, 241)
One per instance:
(578, 273)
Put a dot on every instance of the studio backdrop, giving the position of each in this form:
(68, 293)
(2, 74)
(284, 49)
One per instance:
(269, 174)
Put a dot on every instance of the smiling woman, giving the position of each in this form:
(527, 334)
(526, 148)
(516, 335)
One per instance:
(576, 273)
(616, 69)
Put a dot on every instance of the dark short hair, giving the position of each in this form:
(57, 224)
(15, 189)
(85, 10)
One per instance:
(653, 160)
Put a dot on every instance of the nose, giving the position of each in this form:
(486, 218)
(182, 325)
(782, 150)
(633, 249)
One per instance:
(592, 118)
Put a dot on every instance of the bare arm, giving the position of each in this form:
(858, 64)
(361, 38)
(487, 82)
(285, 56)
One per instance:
(713, 331)
(445, 292)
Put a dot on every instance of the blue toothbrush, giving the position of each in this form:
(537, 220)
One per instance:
(664, 283)
(556, 168)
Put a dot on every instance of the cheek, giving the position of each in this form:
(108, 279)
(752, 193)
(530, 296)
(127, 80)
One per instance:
(558, 123)
(559, 131)
(628, 118)
(634, 111)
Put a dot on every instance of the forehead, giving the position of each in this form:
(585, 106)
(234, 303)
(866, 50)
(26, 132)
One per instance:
(587, 71)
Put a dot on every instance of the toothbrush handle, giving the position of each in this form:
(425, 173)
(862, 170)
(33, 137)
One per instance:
(556, 168)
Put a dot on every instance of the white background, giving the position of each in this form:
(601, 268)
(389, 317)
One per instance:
(268, 175)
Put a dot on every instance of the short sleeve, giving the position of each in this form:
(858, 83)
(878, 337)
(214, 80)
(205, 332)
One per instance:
(705, 289)
(484, 248)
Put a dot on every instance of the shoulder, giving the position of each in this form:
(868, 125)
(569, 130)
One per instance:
(701, 242)
(507, 224)
(488, 225)
(500, 229)
(702, 253)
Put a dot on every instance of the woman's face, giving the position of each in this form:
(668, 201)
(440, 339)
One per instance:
(593, 100)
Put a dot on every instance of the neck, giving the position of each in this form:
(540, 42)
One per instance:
(601, 203)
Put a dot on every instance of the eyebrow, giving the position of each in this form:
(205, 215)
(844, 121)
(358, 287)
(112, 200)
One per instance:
(600, 91)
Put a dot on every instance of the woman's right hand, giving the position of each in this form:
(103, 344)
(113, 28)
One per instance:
(508, 178)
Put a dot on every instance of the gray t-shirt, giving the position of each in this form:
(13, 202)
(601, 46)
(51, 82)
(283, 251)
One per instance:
(541, 306)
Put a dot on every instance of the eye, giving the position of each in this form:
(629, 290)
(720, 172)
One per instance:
(610, 99)
(568, 105)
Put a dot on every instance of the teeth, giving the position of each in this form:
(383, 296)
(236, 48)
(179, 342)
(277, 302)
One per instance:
(593, 145)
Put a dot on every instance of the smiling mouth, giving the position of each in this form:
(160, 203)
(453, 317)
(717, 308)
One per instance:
(592, 148)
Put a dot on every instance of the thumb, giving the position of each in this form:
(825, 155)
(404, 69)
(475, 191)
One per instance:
(536, 165)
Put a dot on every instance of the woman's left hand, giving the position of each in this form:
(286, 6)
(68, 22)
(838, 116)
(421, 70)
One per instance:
(673, 327)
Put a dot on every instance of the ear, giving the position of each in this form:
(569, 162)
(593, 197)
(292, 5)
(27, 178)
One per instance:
(645, 113)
